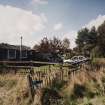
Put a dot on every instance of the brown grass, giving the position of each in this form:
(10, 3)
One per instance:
(90, 80)
(13, 90)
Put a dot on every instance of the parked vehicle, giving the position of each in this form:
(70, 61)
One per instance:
(76, 59)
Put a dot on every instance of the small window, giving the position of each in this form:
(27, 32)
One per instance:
(74, 58)
(11, 54)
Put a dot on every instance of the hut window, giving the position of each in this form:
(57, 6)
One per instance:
(24, 54)
(11, 54)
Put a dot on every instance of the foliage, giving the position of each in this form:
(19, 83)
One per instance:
(52, 45)
(92, 42)
(86, 40)
(58, 84)
(66, 43)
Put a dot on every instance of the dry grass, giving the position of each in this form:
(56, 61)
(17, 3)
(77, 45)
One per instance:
(86, 87)
(99, 61)
(13, 90)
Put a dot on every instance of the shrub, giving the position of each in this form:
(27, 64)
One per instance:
(78, 91)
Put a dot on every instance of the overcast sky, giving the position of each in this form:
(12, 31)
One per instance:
(34, 19)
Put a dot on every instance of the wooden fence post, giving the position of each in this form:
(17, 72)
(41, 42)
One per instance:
(31, 71)
(72, 74)
(45, 82)
(69, 74)
(31, 88)
(61, 69)
(49, 68)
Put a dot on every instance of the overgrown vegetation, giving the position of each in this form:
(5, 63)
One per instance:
(86, 87)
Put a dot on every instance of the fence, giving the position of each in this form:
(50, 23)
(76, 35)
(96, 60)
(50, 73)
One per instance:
(43, 76)
(40, 78)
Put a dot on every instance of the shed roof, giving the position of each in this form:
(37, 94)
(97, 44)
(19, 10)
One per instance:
(16, 47)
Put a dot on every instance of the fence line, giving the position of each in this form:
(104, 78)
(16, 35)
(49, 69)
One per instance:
(44, 77)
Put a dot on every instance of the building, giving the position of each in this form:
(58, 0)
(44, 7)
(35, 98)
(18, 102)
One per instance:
(12, 52)
(16, 53)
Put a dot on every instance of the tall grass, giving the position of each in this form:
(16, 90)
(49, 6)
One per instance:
(84, 87)
(13, 90)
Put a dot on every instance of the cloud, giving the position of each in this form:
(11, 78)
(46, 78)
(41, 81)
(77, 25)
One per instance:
(15, 22)
(71, 35)
(58, 26)
(40, 1)
(43, 16)
(95, 22)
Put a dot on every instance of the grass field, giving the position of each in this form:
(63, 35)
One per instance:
(84, 88)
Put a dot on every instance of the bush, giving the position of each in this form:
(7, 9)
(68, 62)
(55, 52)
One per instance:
(58, 84)
(79, 91)
(51, 96)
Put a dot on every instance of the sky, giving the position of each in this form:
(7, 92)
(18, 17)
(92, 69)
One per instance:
(35, 19)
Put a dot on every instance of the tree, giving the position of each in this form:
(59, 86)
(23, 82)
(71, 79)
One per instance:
(82, 38)
(43, 46)
(92, 36)
(101, 35)
(56, 45)
(87, 40)
(66, 43)
(101, 38)
(91, 39)
(36, 47)
(53, 45)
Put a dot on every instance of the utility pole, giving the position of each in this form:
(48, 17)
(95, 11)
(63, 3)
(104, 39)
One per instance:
(21, 48)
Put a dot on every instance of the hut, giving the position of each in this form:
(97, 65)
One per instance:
(12, 52)
(23, 53)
